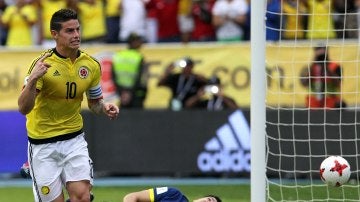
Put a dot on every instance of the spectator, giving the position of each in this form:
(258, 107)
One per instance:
(294, 19)
(129, 72)
(352, 23)
(203, 28)
(3, 30)
(273, 20)
(46, 9)
(132, 19)
(341, 8)
(185, 20)
(320, 24)
(165, 194)
(211, 97)
(112, 13)
(92, 17)
(167, 17)
(19, 19)
(184, 84)
(151, 21)
(323, 77)
(229, 17)
(247, 22)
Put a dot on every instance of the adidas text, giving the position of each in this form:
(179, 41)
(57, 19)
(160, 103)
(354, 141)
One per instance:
(224, 161)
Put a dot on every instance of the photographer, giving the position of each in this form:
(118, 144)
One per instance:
(211, 97)
(184, 84)
(323, 78)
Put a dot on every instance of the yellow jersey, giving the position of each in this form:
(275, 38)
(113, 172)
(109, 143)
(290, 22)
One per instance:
(19, 32)
(92, 18)
(49, 7)
(56, 114)
(112, 8)
(320, 22)
(184, 7)
(294, 21)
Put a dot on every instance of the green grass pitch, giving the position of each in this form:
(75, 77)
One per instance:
(229, 193)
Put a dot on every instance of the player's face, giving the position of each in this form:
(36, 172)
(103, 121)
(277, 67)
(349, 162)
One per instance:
(206, 199)
(69, 35)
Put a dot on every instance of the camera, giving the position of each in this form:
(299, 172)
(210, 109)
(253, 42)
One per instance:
(180, 63)
(212, 89)
(183, 62)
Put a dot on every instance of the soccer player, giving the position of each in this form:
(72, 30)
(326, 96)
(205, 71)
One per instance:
(51, 100)
(162, 194)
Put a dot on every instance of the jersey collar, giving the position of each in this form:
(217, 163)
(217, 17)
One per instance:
(58, 54)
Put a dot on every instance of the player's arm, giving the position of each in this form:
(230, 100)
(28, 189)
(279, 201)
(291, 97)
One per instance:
(141, 196)
(334, 71)
(195, 99)
(96, 102)
(26, 100)
(98, 106)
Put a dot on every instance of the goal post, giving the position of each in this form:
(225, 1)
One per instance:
(257, 107)
(289, 138)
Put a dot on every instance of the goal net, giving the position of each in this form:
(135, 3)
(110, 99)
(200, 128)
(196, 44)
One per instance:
(312, 81)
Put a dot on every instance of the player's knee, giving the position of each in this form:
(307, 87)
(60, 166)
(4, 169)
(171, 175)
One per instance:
(129, 198)
(84, 197)
(79, 191)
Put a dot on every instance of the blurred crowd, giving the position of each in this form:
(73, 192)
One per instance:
(26, 22)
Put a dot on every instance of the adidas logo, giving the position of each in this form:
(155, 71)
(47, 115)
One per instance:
(229, 150)
(56, 73)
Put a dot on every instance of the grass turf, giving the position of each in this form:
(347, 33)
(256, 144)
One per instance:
(228, 193)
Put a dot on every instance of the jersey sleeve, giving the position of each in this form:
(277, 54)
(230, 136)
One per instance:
(30, 12)
(95, 91)
(152, 195)
(168, 194)
(7, 14)
(97, 74)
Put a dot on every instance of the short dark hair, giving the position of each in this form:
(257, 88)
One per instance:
(134, 37)
(61, 16)
(214, 80)
(218, 199)
(189, 61)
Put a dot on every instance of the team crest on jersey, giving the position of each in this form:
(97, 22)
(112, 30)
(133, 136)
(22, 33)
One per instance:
(45, 190)
(83, 72)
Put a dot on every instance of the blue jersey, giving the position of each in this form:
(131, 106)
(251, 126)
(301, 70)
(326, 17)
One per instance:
(166, 194)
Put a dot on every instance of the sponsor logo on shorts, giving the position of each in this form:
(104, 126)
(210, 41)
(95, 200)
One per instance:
(45, 190)
(229, 149)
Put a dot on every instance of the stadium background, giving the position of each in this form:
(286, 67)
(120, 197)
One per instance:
(147, 142)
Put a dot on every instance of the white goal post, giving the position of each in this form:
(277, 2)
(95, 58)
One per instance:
(257, 108)
(289, 139)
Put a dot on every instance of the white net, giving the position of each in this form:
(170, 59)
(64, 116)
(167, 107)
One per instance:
(312, 69)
